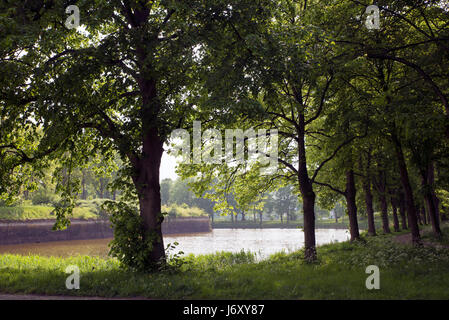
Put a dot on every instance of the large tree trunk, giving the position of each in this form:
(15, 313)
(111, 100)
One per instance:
(409, 200)
(146, 180)
(350, 195)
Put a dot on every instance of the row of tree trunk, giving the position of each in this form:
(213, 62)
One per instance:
(407, 212)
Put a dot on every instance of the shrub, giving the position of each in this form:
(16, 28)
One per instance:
(95, 206)
(183, 211)
(43, 197)
(131, 244)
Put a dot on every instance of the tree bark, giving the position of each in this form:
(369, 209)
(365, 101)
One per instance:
(384, 213)
(443, 214)
(432, 201)
(427, 180)
(83, 183)
(381, 190)
(366, 185)
(307, 194)
(350, 195)
(402, 211)
(409, 199)
(394, 206)
(423, 215)
(146, 180)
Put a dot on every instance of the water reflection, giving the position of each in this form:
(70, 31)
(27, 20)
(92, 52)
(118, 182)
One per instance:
(261, 241)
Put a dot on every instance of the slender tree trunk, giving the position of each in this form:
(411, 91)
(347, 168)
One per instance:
(384, 213)
(381, 192)
(434, 220)
(350, 195)
(394, 206)
(433, 202)
(409, 199)
(260, 217)
(402, 211)
(83, 183)
(366, 185)
(443, 214)
(423, 215)
(419, 216)
(431, 214)
(436, 202)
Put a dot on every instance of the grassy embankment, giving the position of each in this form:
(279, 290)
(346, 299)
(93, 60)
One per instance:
(319, 224)
(405, 273)
(42, 212)
(85, 209)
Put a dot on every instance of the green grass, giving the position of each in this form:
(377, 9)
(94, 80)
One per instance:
(405, 273)
(41, 212)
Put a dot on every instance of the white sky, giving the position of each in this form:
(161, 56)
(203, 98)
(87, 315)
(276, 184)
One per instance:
(168, 166)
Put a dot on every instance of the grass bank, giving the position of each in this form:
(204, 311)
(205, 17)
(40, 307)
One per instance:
(319, 224)
(42, 212)
(405, 273)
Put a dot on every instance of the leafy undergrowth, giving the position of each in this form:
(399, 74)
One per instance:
(443, 241)
(405, 273)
